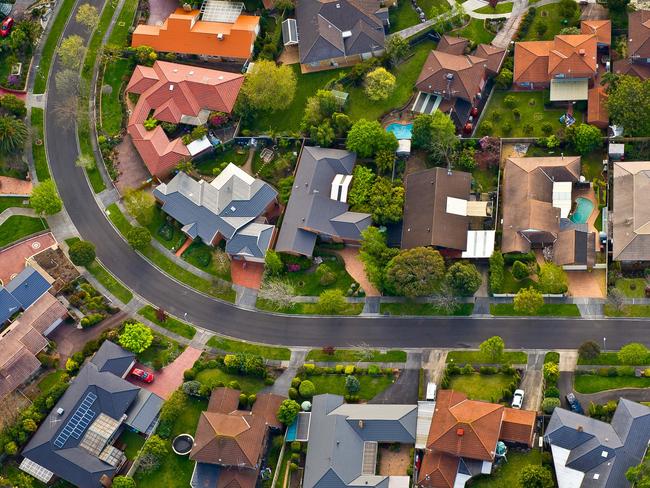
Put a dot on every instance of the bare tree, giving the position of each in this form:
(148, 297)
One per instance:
(278, 292)
(85, 161)
(616, 299)
(65, 111)
(364, 352)
(446, 301)
(68, 82)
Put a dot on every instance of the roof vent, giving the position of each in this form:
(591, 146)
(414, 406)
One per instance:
(220, 36)
(449, 76)
(220, 77)
(580, 428)
(232, 209)
(604, 454)
(338, 5)
(191, 73)
(361, 424)
(59, 411)
(582, 52)
(346, 34)
(175, 70)
(171, 87)
(460, 432)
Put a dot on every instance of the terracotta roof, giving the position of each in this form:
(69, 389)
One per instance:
(452, 45)
(574, 55)
(237, 478)
(224, 400)
(638, 42)
(627, 67)
(597, 113)
(183, 32)
(602, 29)
(467, 74)
(176, 93)
(266, 406)
(494, 55)
(518, 426)
(531, 61)
(438, 470)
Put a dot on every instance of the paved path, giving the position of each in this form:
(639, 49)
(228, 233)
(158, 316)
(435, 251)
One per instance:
(354, 267)
(10, 212)
(533, 380)
(283, 382)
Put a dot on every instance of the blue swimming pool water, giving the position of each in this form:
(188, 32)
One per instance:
(583, 210)
(401, 131)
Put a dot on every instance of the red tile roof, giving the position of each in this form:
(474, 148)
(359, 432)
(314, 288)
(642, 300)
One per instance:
(597, 113)
(639, 34)
(468, 73)
(602, 29)
(518, 426)
(438, 470)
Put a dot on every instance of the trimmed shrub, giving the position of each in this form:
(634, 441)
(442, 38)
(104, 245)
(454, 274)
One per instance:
(296, 447)
(520, 270)
(189, 374)
(552, 392)
(295, 383)
(550, 404)
(307, 389)
(293, 393)
(349, 369)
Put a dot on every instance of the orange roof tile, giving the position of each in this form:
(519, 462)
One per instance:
(531, 61)
(602, 29)
(438, 470)
(574, 55)
(518, 426)
(597, 113)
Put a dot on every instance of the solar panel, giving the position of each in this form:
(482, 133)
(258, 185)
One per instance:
(78, 422)
(221, 11)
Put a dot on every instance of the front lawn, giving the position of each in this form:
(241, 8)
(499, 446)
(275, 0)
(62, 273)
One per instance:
(533, 113)
(18, 227)
(162, 351)
(133, 441)
(476, 357)
(513, 285)
(201, 256)
(501, 8)
(248, 384)
(632, 287)
(507, 473)
(171, 324)
(588, 383)
(121, 292)
(50, 379)
(550, 15)
(604, 359)
(411, 308)
(116, 74)
(628, 311)
(477, 386)
(308, 282)
(427, 6)
(231, 345)
(371, 386)
(402, 16)
(13, 202)
(548, 309)
(475, 31)
(353, 355)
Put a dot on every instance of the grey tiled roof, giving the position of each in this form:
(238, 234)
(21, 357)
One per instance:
(112, 358)
(28, 286)
(8, 305)
(253, 240)
(311, 211)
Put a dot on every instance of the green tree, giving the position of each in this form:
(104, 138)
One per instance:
(10, 448)
(352, 384)
(535, 476)
(13, 134)
(331, 302)
(140, 204)
(572, 31)
(285, 185)
(288, 411)
(153, 452)
(123, 482)
(503, 80)
(552, 278)
(551, 373)
(465, 160)
(464, 279)
(589, 350)
(88, 16)
(307, 389)
(341, 123)
(617, 5)
(72, 52)
(584, 138)
(387, 201)
(628, 103)
(82, 253)
(397, 48)
(380, 83)
(322, 134)
(568, 8)
(13, 105)
(269, 87)
(639, 475)
(319, 107)
(375, 255)
(415, 272)
(135, 337)
(85, 161)
(385, 159)
(541, 27)
(273, 263)
(633, 354)
(520, 270)
(363, 179)
(436, 133)
(492, 348)
(528, 301)
(367, 137)
(145, 55)
(138, 237)
(496, 272)
(45, 199)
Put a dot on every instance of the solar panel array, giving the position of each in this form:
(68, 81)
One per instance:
(79, 421)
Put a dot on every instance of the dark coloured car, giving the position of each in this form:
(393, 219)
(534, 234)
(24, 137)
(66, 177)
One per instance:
(574, 404)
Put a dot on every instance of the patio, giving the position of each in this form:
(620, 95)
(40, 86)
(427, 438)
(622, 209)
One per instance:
(394, 462)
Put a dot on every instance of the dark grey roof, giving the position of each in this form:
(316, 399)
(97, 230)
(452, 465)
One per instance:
(337, 435)
(206, 210)
(335, 28)
(205, 475)
(251, 241)
(311, 211)
(112, 358)
(143, 411)
(8, 305)
(112, 396)
(602, 451)
(28, 286)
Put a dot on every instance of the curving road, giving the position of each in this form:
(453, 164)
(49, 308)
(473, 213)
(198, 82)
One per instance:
(227, 319)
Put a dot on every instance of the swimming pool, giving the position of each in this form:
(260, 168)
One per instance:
(583, 210)
(401, 131)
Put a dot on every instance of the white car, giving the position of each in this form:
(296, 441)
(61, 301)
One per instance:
(518, 399)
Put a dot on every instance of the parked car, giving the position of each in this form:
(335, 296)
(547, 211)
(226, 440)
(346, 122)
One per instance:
(518, 399)
(142, 375)
(574, 404)
(5, 27)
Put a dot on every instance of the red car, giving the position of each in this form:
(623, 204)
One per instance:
(6, 26)
(143, 375)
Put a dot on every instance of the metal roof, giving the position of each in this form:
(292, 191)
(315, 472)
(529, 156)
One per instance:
(572, 90)
(28, 286)
(143, 411)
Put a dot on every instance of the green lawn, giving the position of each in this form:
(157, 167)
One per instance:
(507, 474)
(111, 283)
(628, 311)
(592, 164)
(501, 8)
(120, 33)
(486, 179)
(411, 308)
(168, 234)
(50, 379)
(479, 386)
(169, 266)
(352, 356)
(402, 16)
(162, 349)
(236, 155)
(513, 285)
(231, 345)
(593, 383)
(12, 202)
(603, 359)
(38, 150)
(58, 24)
(248, 384)
(17, 227)
(371, 386)
(306, 308)
(116, 76)
(198, 254)
(307, 283)
(475, 31)
(550, 15)
(133, 443)
(531, 106)
(548, 309)
(476, 357)
(632, 287)
(427, 5)
(171, 324)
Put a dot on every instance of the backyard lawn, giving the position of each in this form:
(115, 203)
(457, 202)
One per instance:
(231, 345)
(353, 355)
(18, 227)
(371, 386)
(412, 308)
(248, 384)
(479, 386)
(162, 349)
(486, 180)
(531, 107)
(476, 357)
(236, 155)
(507, 473)
(402, 16)
(501, 8)
(133, 443)
(50, 379)
(548, 309)
(594, 383)
(550, 15)
(171, 324)
(475, 31)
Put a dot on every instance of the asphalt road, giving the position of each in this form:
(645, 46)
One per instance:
(225, 318)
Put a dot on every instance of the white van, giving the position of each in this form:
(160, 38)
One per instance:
(431, 392)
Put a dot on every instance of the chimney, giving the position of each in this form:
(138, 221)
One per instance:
(460, 432)
(581, 52)
(580, 428)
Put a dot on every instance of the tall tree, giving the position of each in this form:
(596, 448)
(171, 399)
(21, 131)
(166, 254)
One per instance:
(88, 16)
(492, 348)
(45, 199)
(397, 48)
(535, 476)
(82, 253)
(13, 134)
(140, 204)
(375, 254)
(367, 137)
(528, 301)
(436, 133)
(380, 83)
(269, 87)
(629, 104)
(464, 278)
(135, 337)
(585, 138)
(71, 52)
(415, 272)
(387, 201)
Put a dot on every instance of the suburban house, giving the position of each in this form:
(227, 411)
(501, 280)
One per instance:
(440, 211)
(455, 82)
(76, 440)
(333, 33)
(318, 205)
(630, 217)
(591, 453)
(179, 94)
(22, 339)
(344, 439)
(568, 65)
(638, 46)
(232, 208)
(230, 444)
(218, 31)
(540, 198)
(466, 437)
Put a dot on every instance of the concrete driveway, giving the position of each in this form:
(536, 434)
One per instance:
(532, 381)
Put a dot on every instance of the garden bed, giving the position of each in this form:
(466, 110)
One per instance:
(247, 384)
(353, 355)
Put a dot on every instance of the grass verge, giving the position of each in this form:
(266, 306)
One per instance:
(587, 383)
(628, 311)
(231, 345)
(410, 308)
(477, 386)
(307, 308)
(352, 356)
(548, 309)
(38, 150)
(476, 357)
(171, 324)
